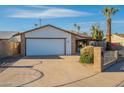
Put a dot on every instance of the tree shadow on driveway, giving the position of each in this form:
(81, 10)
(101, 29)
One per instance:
(7, 62)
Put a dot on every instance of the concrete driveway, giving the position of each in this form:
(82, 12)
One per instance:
(43, 71)
(56, 71)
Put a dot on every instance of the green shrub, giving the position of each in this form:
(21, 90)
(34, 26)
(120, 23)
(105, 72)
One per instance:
(87, 54)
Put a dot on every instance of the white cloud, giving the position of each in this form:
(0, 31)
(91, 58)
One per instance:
(41, 7)
(47, 12)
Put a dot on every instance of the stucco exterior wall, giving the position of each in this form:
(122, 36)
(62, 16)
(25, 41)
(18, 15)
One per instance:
(73, 44)
(117, 39)
(23, 44)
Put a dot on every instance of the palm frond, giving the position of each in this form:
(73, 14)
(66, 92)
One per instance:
(114, 10)
(109, 11)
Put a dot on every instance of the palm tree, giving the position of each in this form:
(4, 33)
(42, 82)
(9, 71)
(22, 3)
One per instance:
(97, 33)
(108, 12)
(94, 32)
(78, 27)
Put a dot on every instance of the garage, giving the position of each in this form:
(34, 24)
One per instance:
(45, 46)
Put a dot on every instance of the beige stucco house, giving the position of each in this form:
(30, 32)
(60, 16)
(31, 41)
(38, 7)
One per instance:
(49, 40)
(117, 39)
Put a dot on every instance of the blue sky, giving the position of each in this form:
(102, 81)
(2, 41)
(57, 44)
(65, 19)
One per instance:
(22, 18)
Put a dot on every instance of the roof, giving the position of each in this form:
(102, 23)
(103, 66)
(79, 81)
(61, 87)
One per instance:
(7, 34)
(121, 35)
(78, 33)
(71, 32)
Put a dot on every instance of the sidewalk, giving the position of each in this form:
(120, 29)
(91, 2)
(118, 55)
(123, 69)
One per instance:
(105, 79)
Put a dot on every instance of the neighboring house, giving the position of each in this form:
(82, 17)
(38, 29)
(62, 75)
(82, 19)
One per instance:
(50, 40)
(117, 39)
(9, 43)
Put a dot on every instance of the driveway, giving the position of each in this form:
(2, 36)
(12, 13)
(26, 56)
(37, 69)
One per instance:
(56, 71)
(43, 71)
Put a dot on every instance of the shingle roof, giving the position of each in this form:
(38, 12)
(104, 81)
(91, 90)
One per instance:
(7, 34)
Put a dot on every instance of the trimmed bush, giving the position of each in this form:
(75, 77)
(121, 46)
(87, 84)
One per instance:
(86, 54)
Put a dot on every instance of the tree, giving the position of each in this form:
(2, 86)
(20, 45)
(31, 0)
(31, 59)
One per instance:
(108, 12)
(84, 33)
(101, 35)
(97, 33)
(78, 27)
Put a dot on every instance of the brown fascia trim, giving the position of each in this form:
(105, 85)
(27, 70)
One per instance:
(17, 34)
(56, 28)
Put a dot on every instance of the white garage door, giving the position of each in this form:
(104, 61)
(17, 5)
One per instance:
(45, 47)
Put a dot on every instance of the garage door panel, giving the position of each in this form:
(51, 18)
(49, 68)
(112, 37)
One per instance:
(44, 47)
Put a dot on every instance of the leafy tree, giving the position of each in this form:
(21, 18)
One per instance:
(84, 33)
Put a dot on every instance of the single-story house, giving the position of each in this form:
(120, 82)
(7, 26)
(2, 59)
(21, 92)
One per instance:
(50, 40)
(117, 39)
(9, 43)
